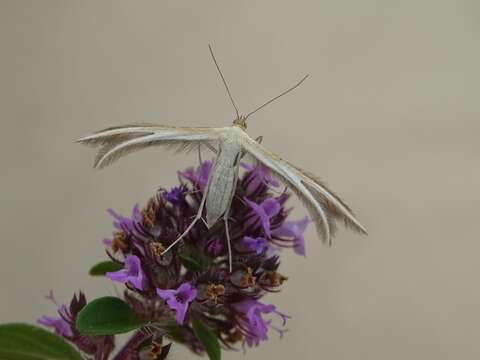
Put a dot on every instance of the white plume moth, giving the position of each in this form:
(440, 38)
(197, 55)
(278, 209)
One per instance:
(229, 144)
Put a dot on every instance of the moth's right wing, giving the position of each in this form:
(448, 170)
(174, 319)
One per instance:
(116, 142)
(323, 205)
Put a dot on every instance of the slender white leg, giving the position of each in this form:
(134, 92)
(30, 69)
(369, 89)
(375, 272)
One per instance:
(200, 155)
(226, 215)
(229, 244)
(197, 217)
(240, 199)
(192, 192)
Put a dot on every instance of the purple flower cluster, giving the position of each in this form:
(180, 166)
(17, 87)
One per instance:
(64, 325)
(193, 280)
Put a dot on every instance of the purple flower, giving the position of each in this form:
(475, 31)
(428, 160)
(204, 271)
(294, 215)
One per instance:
(254, 244)
(264, 212)
(252, 323)
(198, 177)
(64, 325)
(174, 196)
(123, 223)
(59, 325)
(107, 242)
(179, 300)
(215, 246)
(294, 230)
(259, 174)
(132, 273)
(272, 250)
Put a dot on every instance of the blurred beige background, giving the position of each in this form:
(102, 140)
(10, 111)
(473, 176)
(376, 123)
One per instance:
(389, 118)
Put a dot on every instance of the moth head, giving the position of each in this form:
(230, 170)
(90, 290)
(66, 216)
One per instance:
(241, 122)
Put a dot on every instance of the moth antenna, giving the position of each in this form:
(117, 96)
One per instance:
(224, 81)
(278, 96)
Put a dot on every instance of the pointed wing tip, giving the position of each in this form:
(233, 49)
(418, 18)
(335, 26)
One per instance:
(327, 241)
(354, 224)
(326, 237)
(362, 230)
(99, 164)
(83, 140)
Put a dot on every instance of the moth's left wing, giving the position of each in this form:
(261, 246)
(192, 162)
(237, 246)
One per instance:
(323, 204)
(116, 142)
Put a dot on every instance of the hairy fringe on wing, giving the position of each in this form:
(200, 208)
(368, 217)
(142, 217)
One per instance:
(347, 216)
(107, 155)
(116, 142)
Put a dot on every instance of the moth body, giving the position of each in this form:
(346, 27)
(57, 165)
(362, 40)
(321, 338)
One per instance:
(222, 180)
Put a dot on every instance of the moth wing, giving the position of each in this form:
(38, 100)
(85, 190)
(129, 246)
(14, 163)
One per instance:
(116, 142)
(324, 205)
(333, 203)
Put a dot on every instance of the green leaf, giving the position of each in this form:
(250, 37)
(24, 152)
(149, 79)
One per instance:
(107, 316)
(28, 342)
(192, 260)
(174, 332)
(190, 263)
(103, 267)
(208, 339)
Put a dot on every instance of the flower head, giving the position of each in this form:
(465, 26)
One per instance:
(192, 278)
(263, 213)
(60, 326)
(132, 273)
(253, 324)
(64, 326)
(214, 246)
(175, 195)
(124, 223)
(197, 177)
(254, 244)
(258, 175)
(125, 227)
(179, 300)
(294, 230)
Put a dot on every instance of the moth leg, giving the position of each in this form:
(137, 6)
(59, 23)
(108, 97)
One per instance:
(229, 244)
(201, 218)
(187, 230)
(240, 199)
(200, 154)
(192, 192)
(226, 214)
(272, 189)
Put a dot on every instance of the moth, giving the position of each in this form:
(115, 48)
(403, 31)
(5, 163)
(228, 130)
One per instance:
(229, 144)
